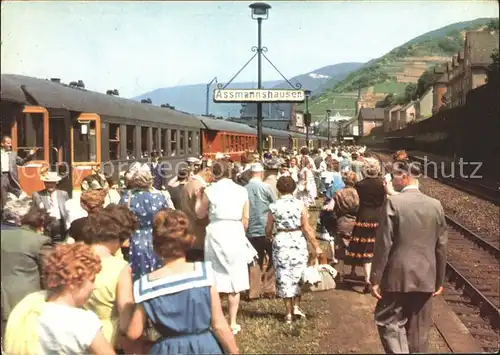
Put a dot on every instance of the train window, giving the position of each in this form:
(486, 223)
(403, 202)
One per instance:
(231, 145)
(84, 142)
(224, 142)
(130, 142)
(190, 143)
(181, 142)
(114, 141)
(197, 142)
(173, 142)
(30, 133)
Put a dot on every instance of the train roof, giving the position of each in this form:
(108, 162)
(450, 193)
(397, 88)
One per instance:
(226, 126)
(56, 95)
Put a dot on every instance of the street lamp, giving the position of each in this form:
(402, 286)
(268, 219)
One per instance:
(328, 112)
(260, 11)
(307, 116)
(207, 108)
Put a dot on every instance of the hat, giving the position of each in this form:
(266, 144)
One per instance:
(257, 168)
(328, 152)
(92, 185)
(273, 164)
(219, 156)
(51, 176)
(193, 160)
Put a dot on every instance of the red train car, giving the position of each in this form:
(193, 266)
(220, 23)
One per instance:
(226, 137)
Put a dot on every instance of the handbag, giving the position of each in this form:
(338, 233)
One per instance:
(311, 276)
(327, 275)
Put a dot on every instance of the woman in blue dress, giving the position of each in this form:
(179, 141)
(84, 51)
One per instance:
(179, 299)
(144, 203)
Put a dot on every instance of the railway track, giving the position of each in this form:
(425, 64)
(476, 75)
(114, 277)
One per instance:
(471, 185)
(473, 288)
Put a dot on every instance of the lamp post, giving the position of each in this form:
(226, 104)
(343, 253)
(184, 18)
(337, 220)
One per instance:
(329, 133)
(307, 116)
(208, 96)
(260, 11)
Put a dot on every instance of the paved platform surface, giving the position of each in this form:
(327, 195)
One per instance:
(354, 330)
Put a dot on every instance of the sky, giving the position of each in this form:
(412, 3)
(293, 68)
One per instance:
(136, 47)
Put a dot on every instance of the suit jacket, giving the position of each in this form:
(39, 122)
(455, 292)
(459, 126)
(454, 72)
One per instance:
(15, 161)
(22, 254)
(411, 243)
(43, 197)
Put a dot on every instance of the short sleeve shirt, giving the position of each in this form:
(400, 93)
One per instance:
(66, 330)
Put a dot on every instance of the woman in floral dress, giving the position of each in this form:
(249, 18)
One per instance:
(144, 203)
(290, 254)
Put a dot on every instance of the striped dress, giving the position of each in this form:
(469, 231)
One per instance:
(362, 242)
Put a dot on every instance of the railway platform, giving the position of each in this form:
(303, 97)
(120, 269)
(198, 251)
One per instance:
(357, 333)
(339, 321)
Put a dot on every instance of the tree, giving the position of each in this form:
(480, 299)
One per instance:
(410, 92)
(494, 68)
(389, 100)
(493, 25)
(427, 79)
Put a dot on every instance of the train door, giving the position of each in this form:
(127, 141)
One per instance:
(268, 143)
(85, 147)
(59, 147)
(29, 131)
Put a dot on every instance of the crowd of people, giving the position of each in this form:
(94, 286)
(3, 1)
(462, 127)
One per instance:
(140, 265)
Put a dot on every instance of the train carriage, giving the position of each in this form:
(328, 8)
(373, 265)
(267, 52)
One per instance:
(76, 130)
(226, 137)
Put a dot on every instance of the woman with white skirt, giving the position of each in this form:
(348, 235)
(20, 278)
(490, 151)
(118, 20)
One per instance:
(226, 205)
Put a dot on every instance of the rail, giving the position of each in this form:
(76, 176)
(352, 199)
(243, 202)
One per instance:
(480, 241)
(475, 188)
(486, 308)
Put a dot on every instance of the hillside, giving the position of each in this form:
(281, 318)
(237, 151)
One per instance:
(393, 71)
(323, 78)
(192, 98)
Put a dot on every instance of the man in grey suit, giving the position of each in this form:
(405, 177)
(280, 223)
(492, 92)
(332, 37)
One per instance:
(408, 265)
(53, 201)
(10, 160)
(22, 252)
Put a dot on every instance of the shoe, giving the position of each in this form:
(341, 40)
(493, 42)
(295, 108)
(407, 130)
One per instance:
(298, 312)
(235, 329)
(288, 319)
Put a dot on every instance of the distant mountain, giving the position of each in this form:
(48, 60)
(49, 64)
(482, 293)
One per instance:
(192, 98)
(320, 79)
(392, 72)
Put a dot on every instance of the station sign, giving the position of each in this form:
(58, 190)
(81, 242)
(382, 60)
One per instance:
(258, 95)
